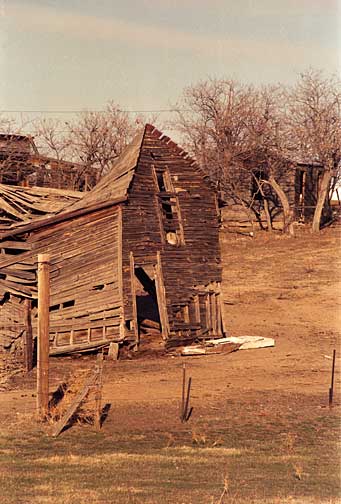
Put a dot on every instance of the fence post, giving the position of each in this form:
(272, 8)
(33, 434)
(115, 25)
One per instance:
(43, 335)
(28, 341)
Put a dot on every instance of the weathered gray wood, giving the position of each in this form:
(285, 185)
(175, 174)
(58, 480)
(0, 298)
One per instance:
(28, 340)
(80, 347)
(65, 216)
(133, 298)
(95, 245)
(113, 351)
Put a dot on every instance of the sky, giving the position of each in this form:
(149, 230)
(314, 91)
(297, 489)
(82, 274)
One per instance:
(58, 55)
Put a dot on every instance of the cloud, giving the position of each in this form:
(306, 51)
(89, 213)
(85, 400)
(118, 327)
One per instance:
(45, 19)
(258, 8)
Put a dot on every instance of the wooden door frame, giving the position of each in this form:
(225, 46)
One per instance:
(160, 295)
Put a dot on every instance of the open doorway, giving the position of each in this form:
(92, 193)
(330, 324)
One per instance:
(147, 309)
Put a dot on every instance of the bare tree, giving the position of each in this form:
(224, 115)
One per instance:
(232, 129)
(92, 141)
(52, 139)
(7, 125)
(97, 138)
(314, 119)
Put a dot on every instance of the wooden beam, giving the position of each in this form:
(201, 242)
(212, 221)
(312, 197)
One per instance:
(81, 347)
(133, 296)
(13, 259)
(161, 298)
(28, 340)
(39, 223)
(120, 269)
(43, 335)
(73, 406)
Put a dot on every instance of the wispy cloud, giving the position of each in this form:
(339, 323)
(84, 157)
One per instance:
(259, 8)
(69, 23)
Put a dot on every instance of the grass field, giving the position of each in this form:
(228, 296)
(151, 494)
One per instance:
(272, 463)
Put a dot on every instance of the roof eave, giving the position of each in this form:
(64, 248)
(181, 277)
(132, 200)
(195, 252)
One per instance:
(67, 215)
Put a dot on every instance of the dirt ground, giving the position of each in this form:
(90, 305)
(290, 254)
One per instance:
(274, 286)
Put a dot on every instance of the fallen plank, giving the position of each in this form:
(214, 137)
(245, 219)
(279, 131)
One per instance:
(74, 406)
(150, 324)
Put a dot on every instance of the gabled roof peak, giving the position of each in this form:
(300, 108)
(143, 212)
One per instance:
(114, 186)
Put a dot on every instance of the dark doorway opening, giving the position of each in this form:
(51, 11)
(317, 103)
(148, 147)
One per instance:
(148, 317)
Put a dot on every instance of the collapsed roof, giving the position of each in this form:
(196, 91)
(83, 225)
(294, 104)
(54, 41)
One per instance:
(24, 205)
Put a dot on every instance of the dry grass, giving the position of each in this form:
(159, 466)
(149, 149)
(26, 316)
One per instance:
(83, 466)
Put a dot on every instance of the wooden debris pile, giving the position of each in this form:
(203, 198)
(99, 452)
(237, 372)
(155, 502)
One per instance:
(150, 327)
(23, 205)
(80, 399)
(20, 206)
(69, 391)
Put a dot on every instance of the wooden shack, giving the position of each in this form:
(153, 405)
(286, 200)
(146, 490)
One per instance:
(245, 204)
(143, 244)
(22, 164)
(15, 157)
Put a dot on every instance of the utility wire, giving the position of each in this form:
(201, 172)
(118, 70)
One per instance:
(88, 110)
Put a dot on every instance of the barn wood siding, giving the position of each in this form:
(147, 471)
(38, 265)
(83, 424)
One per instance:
(189, 267)
(85, 305)
(11, 321)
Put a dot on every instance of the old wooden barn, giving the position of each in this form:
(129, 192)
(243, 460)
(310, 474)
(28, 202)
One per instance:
(142, 244)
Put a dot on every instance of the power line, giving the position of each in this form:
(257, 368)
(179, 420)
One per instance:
(89, 110)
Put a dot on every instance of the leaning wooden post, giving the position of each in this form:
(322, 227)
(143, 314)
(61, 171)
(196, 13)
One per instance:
(28, 341)
(43, 335)
(183, 391)
(331, 389)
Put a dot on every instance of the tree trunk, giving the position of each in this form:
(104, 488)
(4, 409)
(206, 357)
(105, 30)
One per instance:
(288, 226)
(266, 206)
(321, 198)
(267, 214)
(249, 216)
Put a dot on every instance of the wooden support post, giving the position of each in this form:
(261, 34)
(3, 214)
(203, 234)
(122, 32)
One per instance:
(28, 341)
(188, 412)
(331, 390)
(98, 393)
(161, 297)
(113, 351)
(183, 391)
(120, 270)
(43, 335)
(134, 305)
(208, 313)
(221, 310)
(185, 397)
